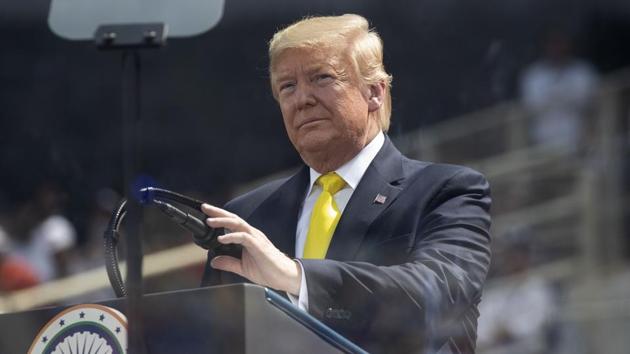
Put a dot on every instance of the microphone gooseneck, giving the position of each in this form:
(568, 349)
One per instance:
(203, 235)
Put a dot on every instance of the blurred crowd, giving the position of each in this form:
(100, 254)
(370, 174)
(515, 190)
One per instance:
(520, 310)
(38, 242)
(36, 239)
(557, 91)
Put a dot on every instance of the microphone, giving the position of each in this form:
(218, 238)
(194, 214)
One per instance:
(203, 235)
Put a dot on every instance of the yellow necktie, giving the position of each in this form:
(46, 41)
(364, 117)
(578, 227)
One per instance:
(324, 218)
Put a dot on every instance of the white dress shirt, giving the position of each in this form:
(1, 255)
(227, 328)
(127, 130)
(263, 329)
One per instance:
(351, 172)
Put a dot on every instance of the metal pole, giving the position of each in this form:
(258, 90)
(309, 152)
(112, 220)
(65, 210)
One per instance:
(131, 142)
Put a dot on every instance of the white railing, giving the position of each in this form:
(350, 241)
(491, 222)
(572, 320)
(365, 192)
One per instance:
(96, 279)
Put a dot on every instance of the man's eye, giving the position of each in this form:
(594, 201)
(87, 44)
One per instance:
(324, 78)
(286, 86)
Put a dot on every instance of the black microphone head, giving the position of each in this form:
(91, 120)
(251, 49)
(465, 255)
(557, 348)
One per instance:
(203, 235)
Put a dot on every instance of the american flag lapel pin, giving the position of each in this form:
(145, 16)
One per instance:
(380, 199)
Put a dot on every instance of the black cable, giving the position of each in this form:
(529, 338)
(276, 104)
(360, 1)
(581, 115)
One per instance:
(111, 237)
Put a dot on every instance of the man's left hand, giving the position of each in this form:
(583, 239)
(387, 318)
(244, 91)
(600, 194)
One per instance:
(261, 262)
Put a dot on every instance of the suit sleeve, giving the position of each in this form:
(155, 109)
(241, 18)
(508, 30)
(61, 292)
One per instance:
(430, 297)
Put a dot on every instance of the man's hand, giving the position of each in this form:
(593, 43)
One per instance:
(261, 262)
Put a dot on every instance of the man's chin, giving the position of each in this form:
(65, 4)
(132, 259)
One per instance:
(315, 144)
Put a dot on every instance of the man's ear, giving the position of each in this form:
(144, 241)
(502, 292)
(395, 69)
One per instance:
(376, 96)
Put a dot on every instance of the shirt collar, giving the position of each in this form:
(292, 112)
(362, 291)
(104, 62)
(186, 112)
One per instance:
(353, 170)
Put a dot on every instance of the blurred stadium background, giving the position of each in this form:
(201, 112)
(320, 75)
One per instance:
(211, 129)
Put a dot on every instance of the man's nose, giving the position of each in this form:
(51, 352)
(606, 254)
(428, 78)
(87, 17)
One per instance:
(304, 96)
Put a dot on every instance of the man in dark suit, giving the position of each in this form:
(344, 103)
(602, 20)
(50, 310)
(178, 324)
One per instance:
(388, 251)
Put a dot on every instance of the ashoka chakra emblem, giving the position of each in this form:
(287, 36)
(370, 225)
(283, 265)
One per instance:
(83, 329)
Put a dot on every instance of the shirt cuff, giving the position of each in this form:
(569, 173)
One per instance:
(301, 301)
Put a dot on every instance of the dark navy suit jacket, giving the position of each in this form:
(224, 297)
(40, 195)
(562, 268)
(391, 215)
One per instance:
(403, 274)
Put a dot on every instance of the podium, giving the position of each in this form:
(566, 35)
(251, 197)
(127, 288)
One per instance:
(241, 318)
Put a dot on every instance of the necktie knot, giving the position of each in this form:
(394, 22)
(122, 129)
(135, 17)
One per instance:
(331, 182)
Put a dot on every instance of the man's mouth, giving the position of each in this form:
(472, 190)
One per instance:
(308, 122)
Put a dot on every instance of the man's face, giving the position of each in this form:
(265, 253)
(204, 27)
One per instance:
(324, 106)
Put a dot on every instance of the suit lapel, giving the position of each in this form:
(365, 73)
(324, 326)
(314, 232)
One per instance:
(376, 191)
(279, 213)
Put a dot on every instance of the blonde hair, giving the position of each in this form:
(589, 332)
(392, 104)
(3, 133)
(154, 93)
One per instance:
(352, 32)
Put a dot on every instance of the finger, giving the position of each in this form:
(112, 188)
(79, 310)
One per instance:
(232, 223)
(227, 263)
(239, 238)
(213, 211)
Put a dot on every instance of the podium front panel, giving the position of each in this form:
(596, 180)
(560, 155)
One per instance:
(241, 318)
